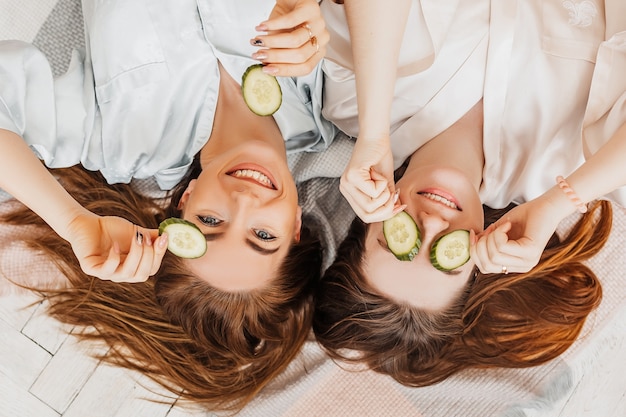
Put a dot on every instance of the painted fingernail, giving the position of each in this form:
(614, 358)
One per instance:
(261, 28)
(163, 241)
(398, 209)
(270, 70)
(139, 238)
(396, 195)
(256, 42)
(259, 56)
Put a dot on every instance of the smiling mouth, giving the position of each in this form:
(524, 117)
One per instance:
(440, 199)
(254, 176)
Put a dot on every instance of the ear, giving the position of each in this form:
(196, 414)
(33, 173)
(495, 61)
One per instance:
(186, 194)
(298, 225)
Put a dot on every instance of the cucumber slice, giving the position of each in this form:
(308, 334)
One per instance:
(261, 91)
(451, 250)
(184, 238)
(402, 236)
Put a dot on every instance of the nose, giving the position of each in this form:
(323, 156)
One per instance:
(243, 194)
(432, 223)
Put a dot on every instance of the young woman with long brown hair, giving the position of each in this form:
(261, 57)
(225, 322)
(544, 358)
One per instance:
(523, 296)
(217, 348)
(157, 94)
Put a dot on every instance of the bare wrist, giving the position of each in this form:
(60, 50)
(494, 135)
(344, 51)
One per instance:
(370, 136)
(67, 224)
(558, 204)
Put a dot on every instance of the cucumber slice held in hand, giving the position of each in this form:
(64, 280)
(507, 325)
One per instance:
(402, 236)
(185, 239)
(451, 250)
(261, 91)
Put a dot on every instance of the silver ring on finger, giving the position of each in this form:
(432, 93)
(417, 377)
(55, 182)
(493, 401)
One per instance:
(505, 270)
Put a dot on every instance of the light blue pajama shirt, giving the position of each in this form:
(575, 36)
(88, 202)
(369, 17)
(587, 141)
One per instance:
(139, 101)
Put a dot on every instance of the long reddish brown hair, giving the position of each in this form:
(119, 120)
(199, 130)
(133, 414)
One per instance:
(213, 347)
(514, 320)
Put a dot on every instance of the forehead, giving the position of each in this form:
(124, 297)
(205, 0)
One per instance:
(237, 268)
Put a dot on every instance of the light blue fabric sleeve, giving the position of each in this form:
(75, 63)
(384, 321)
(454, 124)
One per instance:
(156, 92)
(139, 101)
(29, 104)
(154, 78)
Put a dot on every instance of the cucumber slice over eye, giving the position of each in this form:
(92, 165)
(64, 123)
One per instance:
(261, 91)
(184, 238)
(451, 250)
(402, 236)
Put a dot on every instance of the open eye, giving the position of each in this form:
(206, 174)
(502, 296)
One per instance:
(210, 220)
(264, 235)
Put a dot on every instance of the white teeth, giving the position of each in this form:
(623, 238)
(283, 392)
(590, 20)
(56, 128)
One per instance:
(440, 199)
(255, 175)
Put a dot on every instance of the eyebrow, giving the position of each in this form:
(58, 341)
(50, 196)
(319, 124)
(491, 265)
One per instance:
(260, 249)
(210, 237)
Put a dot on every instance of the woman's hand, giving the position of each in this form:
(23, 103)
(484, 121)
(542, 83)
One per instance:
(296, 38)
(112, 248)
(367, 183)
(516, 241)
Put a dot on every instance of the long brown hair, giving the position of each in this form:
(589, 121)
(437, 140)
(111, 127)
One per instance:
(514, 320)
(215, 348)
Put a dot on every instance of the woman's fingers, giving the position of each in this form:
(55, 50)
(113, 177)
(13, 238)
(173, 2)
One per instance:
(370, 209)
(293, 37)
(140, 271)
(496, 239)
(304, 13)
(371, 215)
(381, 181)
(523, 248)
(368, 193)
(160, 247)
(499, 264)
(303, 62)
(299, 54)
(367, 182)
(103, 269)
(291, 54)
(294, 41)
(141, 262)
(130, 269)
(370, 205)
(493, 252)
